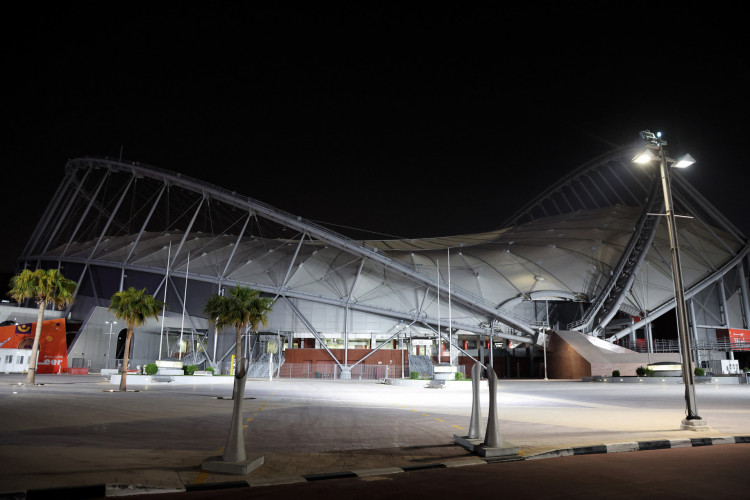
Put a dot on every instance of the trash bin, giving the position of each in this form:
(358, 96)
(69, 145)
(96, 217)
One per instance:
(317, 374)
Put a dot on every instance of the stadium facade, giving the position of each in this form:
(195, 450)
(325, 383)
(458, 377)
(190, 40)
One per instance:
(591, 254)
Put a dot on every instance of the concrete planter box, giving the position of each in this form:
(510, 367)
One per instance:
(732, 379)
(175, 379)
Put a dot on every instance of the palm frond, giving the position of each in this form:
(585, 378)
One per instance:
(45, 286)
(134, 306)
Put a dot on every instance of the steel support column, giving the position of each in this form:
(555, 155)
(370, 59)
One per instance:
(745, 299)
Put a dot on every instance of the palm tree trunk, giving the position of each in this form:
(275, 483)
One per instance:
(126, 359)
(31, 374)
(238, 350)
(237, 357)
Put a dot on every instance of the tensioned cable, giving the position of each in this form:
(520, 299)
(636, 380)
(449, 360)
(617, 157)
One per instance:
(361, 230)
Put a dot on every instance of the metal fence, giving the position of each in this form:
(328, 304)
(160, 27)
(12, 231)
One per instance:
(671, 345)
(333, 371)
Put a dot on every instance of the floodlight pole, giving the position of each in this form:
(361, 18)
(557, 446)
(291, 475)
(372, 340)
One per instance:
(109, 345)
(679, 291)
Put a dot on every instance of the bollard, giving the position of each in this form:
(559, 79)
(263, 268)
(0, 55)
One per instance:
(492, 437)
(493, 443)
(476, 411)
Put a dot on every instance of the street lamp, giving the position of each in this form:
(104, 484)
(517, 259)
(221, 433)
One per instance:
(109, 347)
(655, 143)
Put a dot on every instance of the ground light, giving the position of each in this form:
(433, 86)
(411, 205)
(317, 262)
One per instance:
(655, 143)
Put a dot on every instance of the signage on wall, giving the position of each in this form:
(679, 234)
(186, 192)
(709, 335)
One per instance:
(53, 347)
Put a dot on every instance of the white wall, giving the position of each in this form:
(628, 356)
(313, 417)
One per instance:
(14, 360)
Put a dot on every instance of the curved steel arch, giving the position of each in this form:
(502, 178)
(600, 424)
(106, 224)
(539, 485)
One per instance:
(553, 194)
(172, 180)
(79, 222)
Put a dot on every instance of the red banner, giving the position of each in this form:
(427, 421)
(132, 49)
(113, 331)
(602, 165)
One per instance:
(739, 340)
(53, 347)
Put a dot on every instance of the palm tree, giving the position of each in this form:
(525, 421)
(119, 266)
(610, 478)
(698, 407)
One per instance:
(134, 307)
(244, 307)
(45, 286)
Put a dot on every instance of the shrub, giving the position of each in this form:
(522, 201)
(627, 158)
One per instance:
(460, 376)
(189, 369)
(615, 373)
(211, 369)
(150, 369)
(644, 372)
(699, 372)
(414, 375)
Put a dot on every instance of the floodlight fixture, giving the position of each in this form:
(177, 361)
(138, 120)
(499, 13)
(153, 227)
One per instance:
(684, 161)
(648, 136)
(645, 156)
(652, 140)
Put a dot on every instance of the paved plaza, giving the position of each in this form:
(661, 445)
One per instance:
(73, 431)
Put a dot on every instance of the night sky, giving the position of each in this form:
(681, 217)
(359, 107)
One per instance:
(394, 121)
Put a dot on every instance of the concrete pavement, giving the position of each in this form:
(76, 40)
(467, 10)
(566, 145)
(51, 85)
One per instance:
(72, 432)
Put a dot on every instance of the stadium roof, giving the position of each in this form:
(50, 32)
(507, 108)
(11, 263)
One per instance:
(594, 239)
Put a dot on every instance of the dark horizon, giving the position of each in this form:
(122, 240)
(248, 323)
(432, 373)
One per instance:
(393, 121)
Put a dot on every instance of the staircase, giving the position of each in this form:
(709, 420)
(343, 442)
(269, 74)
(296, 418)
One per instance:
(259, 367)
(421, 364)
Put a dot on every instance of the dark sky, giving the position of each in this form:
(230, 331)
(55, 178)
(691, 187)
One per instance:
(403, 121)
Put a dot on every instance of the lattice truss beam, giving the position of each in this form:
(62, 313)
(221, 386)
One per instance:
(110, 220)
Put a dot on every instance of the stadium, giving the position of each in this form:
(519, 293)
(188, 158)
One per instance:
(588, 258)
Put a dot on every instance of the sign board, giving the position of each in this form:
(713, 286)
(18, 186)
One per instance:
(739, 340)
(53, 346)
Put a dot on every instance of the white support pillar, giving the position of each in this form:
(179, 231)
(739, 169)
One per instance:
(723, 303)
(64, 215)
(346, 336)
(724, 312)
(694, 332)
(82, 217)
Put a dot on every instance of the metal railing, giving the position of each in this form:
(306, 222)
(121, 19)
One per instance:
(629, 260)
(333, 371)
(672, 345)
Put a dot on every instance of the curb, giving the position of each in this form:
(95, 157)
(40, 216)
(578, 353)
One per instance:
(115, 490)
(640, 446)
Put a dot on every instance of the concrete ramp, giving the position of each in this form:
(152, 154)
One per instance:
(576, 355)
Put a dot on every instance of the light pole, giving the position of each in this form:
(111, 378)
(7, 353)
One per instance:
(544, 339)
(109, 346)
(655, 142)
(546, 306)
